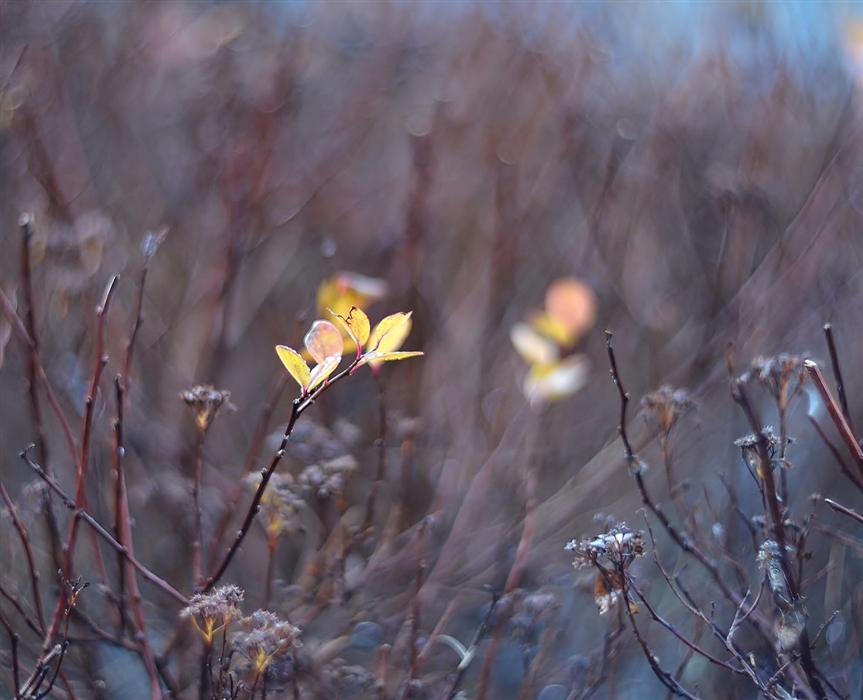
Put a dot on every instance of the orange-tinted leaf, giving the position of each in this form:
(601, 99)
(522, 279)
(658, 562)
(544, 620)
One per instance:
(604, 595)
(390, 333)
(533, 347)
(295, 365)
(324, 341)
(323, 370)
(547, 383)
(572, 303)
(357, 325)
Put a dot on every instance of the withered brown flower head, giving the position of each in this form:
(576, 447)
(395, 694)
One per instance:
(667, 404)
(618, 546)
(206, 401)
(776, 374)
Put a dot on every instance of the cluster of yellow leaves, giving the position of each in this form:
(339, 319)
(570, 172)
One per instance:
(325, 345)
(547, 338)
(344, 291)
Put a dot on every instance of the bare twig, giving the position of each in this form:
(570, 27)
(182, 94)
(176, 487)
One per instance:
(83, 460)
(414, 620)
(381, 449)
(844, 468)
(836, 414)
(32, 383)
(28, 552)
(105, 535)
(681, 538)
(837, 373)
(298, 407)
(471, 650)
(774, 511)
(254, 451)
(124, 537)
(850, 512)
(18, 327)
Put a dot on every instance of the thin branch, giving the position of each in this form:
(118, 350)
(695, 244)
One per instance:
(28, 552)
(777, 526)
(664, 676)
(13, 643)
(471, 650)
(381, 449)
(837, 372)
(298, 407)
(163, 585)
(844, 468)
(124, 532)
(842, 509)
(80, 489)
(18, 327)
(836, 414)
(414, 620)
(682, 539)
(254, 451)
(32, 381)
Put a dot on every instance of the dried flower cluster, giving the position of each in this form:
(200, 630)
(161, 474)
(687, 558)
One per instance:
(610, 554)
(328, 478)
(281, 503)
(667, 405)
(776, 375)
(748, 445)
(267, 644)
(206, 401)
(211, 612)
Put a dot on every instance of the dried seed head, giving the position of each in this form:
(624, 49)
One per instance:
(776, 375)
(206, 401)
(266, 641)
(667, 405)
(210, 612)
(281, 503)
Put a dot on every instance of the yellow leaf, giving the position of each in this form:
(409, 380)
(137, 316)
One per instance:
(572, 303)
(551, 328)
(547, 383)
(533, 347)
(324, 341)
(357, 324)
(375, 357)
(323, 370)
(390, 333)
(346, 289)
(295, 365)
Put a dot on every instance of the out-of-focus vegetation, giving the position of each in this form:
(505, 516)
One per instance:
(700, 172)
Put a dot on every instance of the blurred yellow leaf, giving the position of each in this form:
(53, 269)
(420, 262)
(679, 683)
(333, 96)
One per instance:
(295, 365)
(357, 325)
(534, 348)
(553, 382)
(551, 328)
(348, 289)
(572, 303)
(324, 341)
